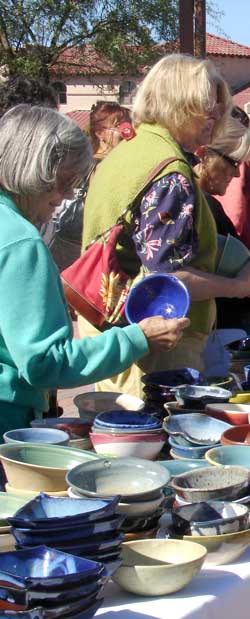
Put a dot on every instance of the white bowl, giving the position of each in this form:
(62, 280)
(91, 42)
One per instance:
(89, 404)
(146, 445)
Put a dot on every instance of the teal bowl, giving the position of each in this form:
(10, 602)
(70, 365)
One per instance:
(238, 455)
(9, 504)
(234, 257)
(176, 467)
(42, 468)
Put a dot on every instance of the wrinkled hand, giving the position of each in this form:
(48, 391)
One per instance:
(241, 283)
(162, 333)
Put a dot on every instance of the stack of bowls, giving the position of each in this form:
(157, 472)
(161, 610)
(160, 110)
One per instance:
(191, 435)
(222, 527)
(222, 483)
(77, 429)
(129, 434)
(44, 583)
(88, 528)
(158, 386)
(40, 469)
(139, 483)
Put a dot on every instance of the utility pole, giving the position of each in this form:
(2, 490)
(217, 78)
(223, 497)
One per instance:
(192, 19)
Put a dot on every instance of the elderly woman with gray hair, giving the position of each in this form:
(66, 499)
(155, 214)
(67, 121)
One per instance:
(43, 154)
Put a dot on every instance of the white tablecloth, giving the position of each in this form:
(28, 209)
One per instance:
(221, 592)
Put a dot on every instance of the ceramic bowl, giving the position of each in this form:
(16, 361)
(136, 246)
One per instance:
(242, 397)
(89, 404)
(224, 483)
(235, 414)
(42, 469)
(8, 506)
(80, 609)
(136, 509)
(188, 451)
(172, 378)
(129, 420)
(222, 549)
(58, 513)
(37, 435)
(191, 396)
(228, 455)
(210, 518)
(225, 382)
(175, 408)
(234, 256)
(175, 457)
(127, 445)
(132, 478)
(157, 295)
(177, 467)
(44, 567)
(195, 427)
(28, 494)
(236, 435)
(74, 426)
(155, 567)
(7, 542)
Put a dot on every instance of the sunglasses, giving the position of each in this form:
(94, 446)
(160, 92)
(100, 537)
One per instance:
(232, 162)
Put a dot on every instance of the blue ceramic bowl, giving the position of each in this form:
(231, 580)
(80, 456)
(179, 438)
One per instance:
(186, 451)
(93, 546)
(134, 479)
(192, 396)
(172, 378)
(45, 567)
(37, 435)
(196, 426)
(157, 295)
(32, 598)
(229, 455)
(127, 420)
(55, 513)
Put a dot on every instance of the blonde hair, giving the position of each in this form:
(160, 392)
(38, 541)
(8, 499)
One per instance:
(35, 142)
(176, 91)
(232, 140)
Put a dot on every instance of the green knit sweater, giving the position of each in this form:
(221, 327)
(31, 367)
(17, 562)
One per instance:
(118, 180)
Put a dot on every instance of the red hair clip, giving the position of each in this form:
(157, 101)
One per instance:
(126, 131)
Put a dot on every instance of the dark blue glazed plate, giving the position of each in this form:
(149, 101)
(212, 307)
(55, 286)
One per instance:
(30, 598)
(44, 566)
(126, 419)
(79, 532)
(172, 378)
(157, 295)
(53, 512)
(92, 546)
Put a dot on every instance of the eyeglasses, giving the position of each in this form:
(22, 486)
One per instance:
(226, 158)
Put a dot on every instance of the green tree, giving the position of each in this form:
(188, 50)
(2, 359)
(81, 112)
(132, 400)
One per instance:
(34, 33)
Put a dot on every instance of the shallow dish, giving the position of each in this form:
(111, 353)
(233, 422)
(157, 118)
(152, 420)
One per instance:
(224, 483)
(40, 613)
(37, 435)
(127, 421)
(176, 467)
(50, 512)
(189, 451)
(172, 378)
(155, 567)
(157, 295)
(210, 518)
(132, 478)
(45, 567)
(42, 469)
(200, 395)
(236, 414)
(195, 427)
(228, 455)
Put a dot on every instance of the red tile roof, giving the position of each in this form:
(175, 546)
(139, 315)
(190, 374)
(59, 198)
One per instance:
(81, 118)
(85, 59)
(217, 46)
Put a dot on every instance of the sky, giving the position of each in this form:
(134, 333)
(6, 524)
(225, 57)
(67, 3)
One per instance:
(235, 23)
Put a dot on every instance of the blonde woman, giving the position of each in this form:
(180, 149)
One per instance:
(180, 105)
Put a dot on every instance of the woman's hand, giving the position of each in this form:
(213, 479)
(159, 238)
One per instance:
(163, 333)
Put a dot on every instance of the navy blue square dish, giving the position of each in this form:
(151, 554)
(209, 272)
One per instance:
(40, 613)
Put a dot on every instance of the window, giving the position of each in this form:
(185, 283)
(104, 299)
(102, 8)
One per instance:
(61, 89)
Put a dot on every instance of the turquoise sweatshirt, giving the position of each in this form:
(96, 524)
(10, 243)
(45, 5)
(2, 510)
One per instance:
(37, 348)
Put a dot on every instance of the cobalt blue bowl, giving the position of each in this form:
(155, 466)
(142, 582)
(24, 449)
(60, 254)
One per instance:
(126, 420)
(172, 378)
(157, 295)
